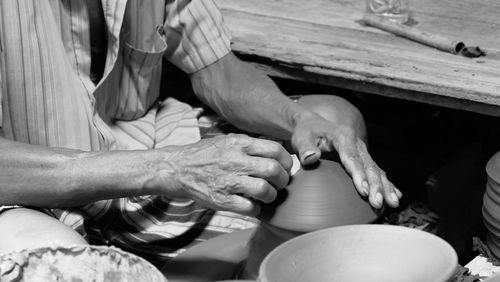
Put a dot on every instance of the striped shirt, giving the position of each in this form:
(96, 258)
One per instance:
(49, 99)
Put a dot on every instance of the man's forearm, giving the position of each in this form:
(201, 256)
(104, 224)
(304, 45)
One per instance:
(247, 97)
(48, 177)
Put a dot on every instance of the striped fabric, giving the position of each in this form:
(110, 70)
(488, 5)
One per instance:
(49, 99)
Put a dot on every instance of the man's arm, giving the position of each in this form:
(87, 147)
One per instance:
(225, 173)
(249, 99)
(53, 177)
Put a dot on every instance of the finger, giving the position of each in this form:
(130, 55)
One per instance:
(308, 151)
(398, 193)
(255, 188)
(270, 149)
(373, 176)
(376, 189)
(270, 170)
(350, 158)
(240, 204)
(391, 198)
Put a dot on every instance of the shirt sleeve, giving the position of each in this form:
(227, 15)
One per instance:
(195, 33)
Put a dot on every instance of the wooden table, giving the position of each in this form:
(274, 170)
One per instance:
(323, 41)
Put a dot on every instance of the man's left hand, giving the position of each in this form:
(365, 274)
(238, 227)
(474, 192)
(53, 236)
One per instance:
(313, 134)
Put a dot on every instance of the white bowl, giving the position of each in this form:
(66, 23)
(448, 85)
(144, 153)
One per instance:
(361, 253)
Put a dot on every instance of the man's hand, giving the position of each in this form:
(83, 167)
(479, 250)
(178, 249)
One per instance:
(230, 172)
(250, 100)
(314, 134)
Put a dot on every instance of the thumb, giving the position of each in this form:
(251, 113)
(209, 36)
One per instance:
(307, 150)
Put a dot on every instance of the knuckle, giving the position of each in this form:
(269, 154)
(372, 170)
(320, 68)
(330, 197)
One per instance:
(371, 166)
(260, 185)
(274, 146)
(225, 185)
(221, 200)
(376, 187)
(361, 145)
(264, 191)
(390, 186)
(273, 167)
(375, 184)
(235, 139)
(353, 157)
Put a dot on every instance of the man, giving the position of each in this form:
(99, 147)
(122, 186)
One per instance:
(86, 136)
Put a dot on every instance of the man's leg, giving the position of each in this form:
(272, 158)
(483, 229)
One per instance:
(23, 228)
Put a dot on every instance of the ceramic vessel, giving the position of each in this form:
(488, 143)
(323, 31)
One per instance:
(316, 198)
(77, 263)
(361, 253)
(491, 205)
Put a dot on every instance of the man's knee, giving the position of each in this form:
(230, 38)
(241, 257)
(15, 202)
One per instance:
(26, 229)
(337, 110)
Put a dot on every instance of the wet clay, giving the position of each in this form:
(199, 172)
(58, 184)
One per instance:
(318, 197)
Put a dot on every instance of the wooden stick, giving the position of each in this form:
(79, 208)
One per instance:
(434, 40)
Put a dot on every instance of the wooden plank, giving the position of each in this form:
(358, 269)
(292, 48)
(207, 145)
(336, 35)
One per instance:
(383, 90)
(324, 38)
(475, 21)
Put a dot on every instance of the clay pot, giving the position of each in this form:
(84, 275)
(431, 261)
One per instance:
(361, 253)
(491, 205)
(316, 198)
(77, 263)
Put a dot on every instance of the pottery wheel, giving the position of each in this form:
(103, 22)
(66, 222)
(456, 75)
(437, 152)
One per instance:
(220, 258)
(317, 197)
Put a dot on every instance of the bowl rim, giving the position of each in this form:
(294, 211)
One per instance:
(444, 276)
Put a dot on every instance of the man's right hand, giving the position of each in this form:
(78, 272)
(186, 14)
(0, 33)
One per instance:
(230, 172)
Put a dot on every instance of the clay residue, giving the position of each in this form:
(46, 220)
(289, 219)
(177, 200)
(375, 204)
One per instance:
(76, 263)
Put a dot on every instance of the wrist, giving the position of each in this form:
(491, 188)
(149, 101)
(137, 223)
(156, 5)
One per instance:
(302, 116)
(115, 174)
(160, 172)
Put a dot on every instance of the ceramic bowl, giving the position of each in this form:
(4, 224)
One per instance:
(492, 224)
(491, 205)
(361, 253)
(318, 197)
(493, 167)
(77, 263)
(493, 189)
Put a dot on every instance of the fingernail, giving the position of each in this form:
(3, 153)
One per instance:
(308, 154)
(394, 198)
(364, 192)
(378, 199)
(365, 185)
